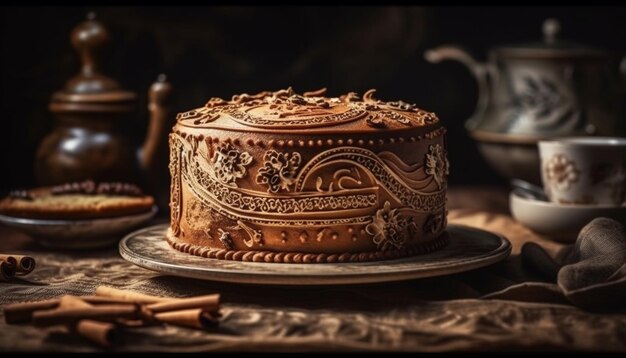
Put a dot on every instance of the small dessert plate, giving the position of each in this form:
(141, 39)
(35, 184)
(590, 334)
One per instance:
(469, 249)
(78, 234)
(558, 221)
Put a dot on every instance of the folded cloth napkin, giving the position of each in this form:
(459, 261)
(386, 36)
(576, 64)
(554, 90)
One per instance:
(591, 274)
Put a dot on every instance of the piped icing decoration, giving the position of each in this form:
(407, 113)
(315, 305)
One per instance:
(175, 164)
(279, 170)
(437, 164)
(304, 258)
(254, 236)
(389, 228)
(230, 164)
(382, 113)
(286, 109)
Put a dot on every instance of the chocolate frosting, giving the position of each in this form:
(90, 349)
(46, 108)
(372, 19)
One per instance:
(286, 110)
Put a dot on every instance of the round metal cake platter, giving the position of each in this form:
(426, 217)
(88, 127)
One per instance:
(469, 249)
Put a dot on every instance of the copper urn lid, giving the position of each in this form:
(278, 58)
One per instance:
(90, 90)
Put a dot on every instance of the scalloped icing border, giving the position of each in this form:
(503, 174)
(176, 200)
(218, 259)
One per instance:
(305, 258)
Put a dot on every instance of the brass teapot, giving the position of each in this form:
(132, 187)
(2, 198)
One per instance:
(535, 91)
(94, 121)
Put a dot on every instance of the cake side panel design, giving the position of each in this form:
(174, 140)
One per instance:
(343, 199)
(175, 185)
(418, 194)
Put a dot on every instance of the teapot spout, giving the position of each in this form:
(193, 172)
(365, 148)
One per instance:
(481, 72)
(152, 151)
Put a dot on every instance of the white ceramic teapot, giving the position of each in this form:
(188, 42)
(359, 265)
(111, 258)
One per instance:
(528, 92)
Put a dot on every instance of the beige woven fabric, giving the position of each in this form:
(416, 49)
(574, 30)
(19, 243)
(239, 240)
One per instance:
(437, 314)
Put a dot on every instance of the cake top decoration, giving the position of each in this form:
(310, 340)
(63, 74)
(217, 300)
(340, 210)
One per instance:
(287, 110)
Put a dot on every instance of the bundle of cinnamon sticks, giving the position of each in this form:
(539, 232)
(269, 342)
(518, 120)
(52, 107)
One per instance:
(15, 265)
(99, 318)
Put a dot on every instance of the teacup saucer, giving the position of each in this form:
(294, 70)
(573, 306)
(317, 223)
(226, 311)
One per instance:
(560, 222)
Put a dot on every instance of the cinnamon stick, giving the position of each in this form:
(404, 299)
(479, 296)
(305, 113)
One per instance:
(209, 303)
(96, 317)
(132, 296)
(22, 312)
(194, 318)
(7, 270)
(8, 258)
(24, 264)
(99, 300)
(102, 333)
(68, 302)
(65, 316)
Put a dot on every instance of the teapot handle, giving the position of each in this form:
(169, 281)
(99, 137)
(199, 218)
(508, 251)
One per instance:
(481, 72)
(156, 141)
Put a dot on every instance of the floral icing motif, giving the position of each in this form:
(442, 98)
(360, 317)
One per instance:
(561, 172)
(377, 120)
(437, 164)
(230, 164)
(279, 170)
(388, 228)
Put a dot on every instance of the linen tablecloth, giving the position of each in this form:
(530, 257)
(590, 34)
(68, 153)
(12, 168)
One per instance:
(435, 314)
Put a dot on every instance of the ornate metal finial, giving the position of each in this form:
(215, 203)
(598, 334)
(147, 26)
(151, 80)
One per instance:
(89, 39)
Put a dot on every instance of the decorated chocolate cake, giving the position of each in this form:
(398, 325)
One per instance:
(288, 178)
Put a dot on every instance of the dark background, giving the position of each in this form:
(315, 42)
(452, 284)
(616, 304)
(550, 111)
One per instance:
(220, 51)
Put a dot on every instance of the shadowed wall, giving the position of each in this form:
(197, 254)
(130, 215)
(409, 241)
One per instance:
(220, 51)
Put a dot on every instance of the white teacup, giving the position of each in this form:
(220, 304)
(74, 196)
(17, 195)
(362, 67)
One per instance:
(584, 170)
